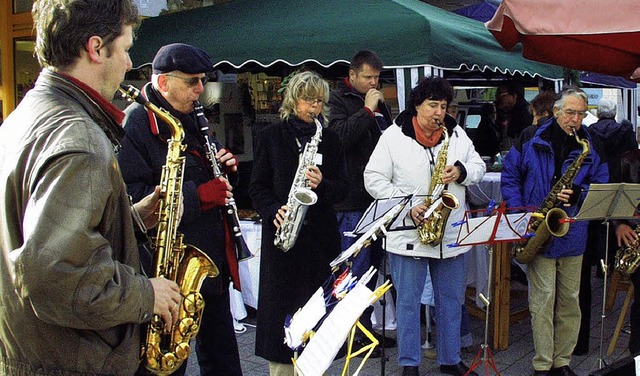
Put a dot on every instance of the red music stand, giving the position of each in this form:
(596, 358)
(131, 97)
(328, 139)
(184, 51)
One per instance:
(499, 225)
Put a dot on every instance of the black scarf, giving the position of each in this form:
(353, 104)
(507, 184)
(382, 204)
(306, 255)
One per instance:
(301, 130)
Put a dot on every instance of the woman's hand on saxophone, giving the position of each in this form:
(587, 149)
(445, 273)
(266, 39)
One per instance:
(167, 300)
(451, 174)
(280, 215)
(417, 213)
(313, 176)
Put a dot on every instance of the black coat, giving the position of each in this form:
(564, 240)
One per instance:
(287, 280)
(610, 141)
(359, 133)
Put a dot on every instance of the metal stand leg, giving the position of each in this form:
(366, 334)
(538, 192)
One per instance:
(485, 356)
(605, 271)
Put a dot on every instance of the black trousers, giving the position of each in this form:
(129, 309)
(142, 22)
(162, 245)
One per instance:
(634, 339)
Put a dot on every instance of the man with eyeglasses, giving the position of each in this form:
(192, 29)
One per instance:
(529, 171)
(359, 115)
(179, 75)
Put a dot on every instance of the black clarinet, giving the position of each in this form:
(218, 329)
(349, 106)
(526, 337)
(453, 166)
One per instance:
(231, 210)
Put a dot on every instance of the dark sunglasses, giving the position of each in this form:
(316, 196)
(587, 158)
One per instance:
(191, 81)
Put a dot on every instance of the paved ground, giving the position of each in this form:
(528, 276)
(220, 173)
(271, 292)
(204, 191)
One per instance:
(515, 361)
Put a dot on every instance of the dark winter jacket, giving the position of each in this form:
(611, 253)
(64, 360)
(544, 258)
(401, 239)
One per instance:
(528, 174)
(287, 280)
(610, 141)
(359, 133)
(141, 159)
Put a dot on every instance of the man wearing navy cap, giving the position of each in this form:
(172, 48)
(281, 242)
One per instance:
(179, 75)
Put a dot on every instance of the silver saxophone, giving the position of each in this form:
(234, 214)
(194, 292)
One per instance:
(300, 195)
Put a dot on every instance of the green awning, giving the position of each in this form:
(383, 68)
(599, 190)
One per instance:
(404, 33)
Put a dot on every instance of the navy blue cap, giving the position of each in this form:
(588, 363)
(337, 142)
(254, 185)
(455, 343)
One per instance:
(181, 57)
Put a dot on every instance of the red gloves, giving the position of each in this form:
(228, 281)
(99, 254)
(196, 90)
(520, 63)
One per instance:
(233, 168)
(213, 193)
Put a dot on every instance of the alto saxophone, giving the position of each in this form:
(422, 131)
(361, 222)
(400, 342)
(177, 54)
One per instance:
(548, 219)
(231, 210)
(164, 351)
(628, 258)
(439, 202)
(300, 195)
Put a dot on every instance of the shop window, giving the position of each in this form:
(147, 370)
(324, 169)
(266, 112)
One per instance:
(26, 66)
(21, 6)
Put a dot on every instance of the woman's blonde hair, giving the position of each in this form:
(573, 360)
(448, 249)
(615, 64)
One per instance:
(304, 85)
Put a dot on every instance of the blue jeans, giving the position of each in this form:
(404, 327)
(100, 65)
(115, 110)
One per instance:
(367, 257)
(409, 275)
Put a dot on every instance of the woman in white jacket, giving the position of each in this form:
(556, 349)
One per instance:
(402, 161)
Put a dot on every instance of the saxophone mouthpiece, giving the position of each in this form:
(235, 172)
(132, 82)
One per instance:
(439, 123)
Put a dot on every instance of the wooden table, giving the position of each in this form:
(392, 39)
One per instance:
(500, 312)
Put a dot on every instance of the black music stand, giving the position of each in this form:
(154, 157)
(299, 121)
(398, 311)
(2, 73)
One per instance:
(607, 202)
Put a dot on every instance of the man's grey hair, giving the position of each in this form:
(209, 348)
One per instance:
(607, 108)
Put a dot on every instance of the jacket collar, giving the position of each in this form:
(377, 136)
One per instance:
(97, 107)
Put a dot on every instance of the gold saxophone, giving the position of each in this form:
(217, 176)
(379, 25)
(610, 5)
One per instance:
(628, 258)
(548, 219)
(164, 351)
(438, 201)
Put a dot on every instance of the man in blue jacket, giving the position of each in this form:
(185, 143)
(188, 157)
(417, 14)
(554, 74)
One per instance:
(530, 170)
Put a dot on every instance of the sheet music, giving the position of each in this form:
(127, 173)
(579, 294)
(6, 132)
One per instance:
(610, 201)
(305, 320)
(324, 345)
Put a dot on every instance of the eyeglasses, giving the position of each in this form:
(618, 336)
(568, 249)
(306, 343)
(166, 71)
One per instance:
(572, 113)
(312, 101)
(191, 81)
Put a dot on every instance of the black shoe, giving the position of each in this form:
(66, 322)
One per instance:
(581, 350)
(459, 369)
(386, 342)
(540, 373)
(410, 371)
(562, 371)
(360, 343)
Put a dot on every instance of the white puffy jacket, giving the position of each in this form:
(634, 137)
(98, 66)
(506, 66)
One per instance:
(399, 164)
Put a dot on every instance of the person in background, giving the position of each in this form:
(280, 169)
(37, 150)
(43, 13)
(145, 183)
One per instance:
(610, 140)
(177, 80)
(359, 114)
(405, 155)
(289, 279)
(541, 108)
(72, 297)
(530, 170)
(513, 112)
(626, 234)
(452, 109)
(487, 138)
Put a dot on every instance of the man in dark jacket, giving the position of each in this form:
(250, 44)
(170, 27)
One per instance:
(176, 83)
(72, 297)
(359, 115)
(610, 140)
(530, 171)
(513, 112)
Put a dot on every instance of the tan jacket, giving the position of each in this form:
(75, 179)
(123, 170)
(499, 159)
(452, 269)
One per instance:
(71, 296)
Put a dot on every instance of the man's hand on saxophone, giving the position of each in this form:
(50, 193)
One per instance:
(417, 213)
(564, 196)
(166, 300)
